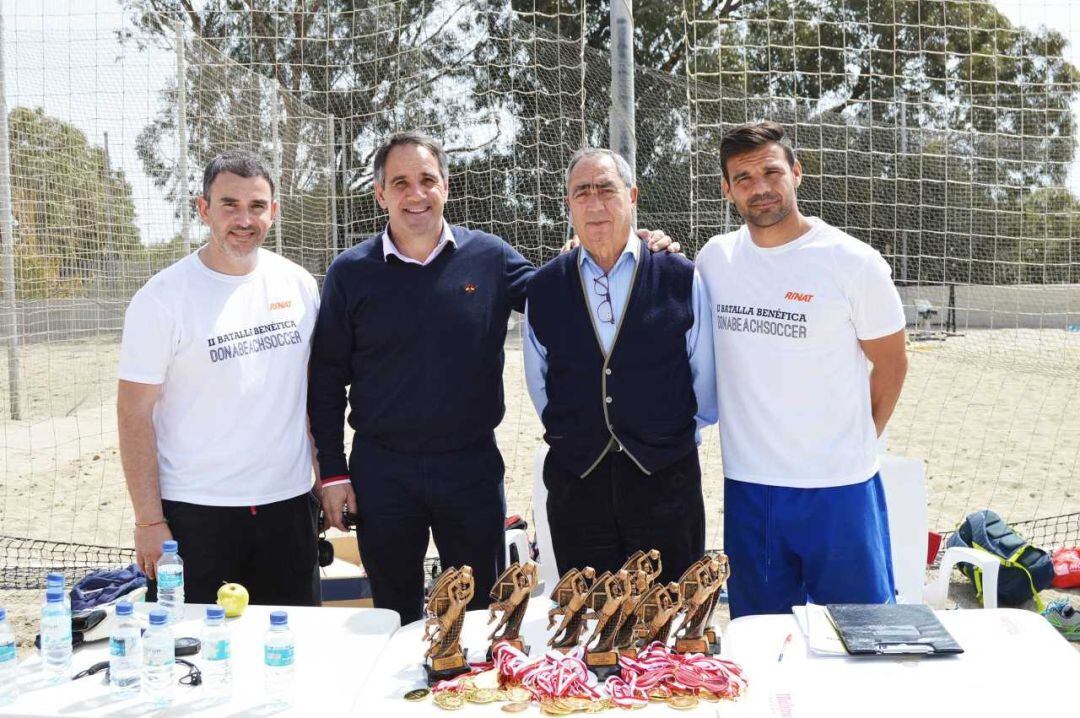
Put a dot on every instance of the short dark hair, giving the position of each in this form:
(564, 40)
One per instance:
(750, 136)
(412, 137)
(237, 162)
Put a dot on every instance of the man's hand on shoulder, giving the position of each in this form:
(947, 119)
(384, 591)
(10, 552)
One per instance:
(148, 541)
(334, 500)
(657, 241)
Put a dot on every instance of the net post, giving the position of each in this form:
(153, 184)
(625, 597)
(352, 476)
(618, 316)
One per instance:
(7, 226)
(621, 122)
(181, 137)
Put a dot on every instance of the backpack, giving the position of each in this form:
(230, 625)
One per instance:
(1025, 569)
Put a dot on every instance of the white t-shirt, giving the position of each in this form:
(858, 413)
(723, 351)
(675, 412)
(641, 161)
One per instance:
(792, 380)
(231, 354)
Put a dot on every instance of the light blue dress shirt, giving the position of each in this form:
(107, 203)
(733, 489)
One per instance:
(699, 338)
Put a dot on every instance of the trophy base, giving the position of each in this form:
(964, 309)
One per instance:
(516, 643)
(603, 663)
(441, 669)
(698, 645)
(628, 652)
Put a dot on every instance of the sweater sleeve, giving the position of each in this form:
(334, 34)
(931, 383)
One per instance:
(518, 273)
(329, 372)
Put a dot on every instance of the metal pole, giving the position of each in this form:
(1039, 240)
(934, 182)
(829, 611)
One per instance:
(181, 138)
(902, 181)
(106, 183)
(621, 116)
(11, 328)
(333, 184)
(275, 141)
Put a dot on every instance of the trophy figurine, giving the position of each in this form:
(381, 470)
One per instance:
(446, 613)
(654, 614)
(642, 568)
(511, 596)
(700, 588)
(606, 599)
(569, 598)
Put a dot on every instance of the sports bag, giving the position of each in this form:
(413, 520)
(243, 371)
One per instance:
(1025, 569)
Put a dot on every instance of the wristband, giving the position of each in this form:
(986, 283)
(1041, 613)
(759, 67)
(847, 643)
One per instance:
(152, 523)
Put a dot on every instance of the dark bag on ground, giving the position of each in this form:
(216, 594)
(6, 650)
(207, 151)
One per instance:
(1025, 569)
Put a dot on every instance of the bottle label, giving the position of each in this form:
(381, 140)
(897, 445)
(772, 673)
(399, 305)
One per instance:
(158, 655)
(217, 650)
(278, 656)
(7, 652)
(170, 579)
(118, 647)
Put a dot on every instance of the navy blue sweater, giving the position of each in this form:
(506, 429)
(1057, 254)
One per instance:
(421, 347)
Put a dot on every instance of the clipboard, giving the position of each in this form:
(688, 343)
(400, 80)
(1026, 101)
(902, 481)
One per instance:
(891, 629)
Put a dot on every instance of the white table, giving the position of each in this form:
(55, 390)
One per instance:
(1014, 664)
(335, 649)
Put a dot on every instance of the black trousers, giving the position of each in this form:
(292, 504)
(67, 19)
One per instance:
(458, 496)
(617, 509)
(271, 549)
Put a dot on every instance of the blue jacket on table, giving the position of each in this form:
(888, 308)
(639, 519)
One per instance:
(420, 346)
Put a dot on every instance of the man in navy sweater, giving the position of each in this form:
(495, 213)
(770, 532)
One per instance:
(619, 364)
(413, 320)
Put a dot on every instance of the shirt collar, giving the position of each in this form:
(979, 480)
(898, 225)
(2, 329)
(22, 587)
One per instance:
(633, 248)
(389, 248)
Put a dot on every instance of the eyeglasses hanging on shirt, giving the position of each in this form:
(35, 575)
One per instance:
(604, 311)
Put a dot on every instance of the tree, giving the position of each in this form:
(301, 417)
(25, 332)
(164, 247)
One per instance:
(75, 219)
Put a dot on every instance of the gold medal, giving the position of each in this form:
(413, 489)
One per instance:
(683, 703)
(576, 704)
(481, 695)
(418, 694)
(520, 694)
(515, 707)
(449, 700)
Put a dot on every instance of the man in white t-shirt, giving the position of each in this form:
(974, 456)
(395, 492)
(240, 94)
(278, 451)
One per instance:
(799, 309)
(211, 403)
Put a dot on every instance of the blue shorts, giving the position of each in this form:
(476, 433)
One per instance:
(787, 546)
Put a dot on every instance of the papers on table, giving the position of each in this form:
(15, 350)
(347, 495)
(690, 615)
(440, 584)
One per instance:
(818, 628)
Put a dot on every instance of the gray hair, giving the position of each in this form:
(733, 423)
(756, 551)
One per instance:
(623, 167)
(412, 137)
(237, 162)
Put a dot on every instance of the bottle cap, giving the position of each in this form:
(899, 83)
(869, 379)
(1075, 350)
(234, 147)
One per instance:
(170, 546)
(124, 608)
(158, 617)
(279, 618)
(215, 612)
(54, 579)
(3, 613)
(54, 595)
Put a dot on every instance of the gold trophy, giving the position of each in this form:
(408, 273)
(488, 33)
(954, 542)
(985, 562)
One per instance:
(606, 599)
(511, 596)
(643, 569)
(446, 614)
(700, 589)
(654, 614)
(569, 598)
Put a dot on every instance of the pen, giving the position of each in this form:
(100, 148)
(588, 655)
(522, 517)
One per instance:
(783, 647)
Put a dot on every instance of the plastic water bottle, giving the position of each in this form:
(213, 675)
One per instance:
(279, 655)
(217, 654)
(56, 636)
(125, 651)
(9, 666)
(170, 582)
(159, 657)
(56, 580)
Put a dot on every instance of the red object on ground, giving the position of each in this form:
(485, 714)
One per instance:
(933, 544)
(1066, 568)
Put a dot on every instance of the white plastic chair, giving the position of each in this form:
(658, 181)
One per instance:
(549, 571)
(904, 481)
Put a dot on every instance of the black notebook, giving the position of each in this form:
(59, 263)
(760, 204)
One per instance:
(891, 629)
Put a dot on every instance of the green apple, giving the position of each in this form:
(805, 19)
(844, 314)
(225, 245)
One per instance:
(233, 598)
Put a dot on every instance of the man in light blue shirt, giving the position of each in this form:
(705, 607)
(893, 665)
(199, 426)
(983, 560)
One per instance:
(619, 365)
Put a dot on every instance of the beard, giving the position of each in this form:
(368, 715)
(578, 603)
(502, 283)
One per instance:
(768, 216)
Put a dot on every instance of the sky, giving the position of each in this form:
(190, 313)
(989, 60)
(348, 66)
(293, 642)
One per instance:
(62, 55)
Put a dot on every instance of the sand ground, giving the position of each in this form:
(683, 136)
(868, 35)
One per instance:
(995, 414)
